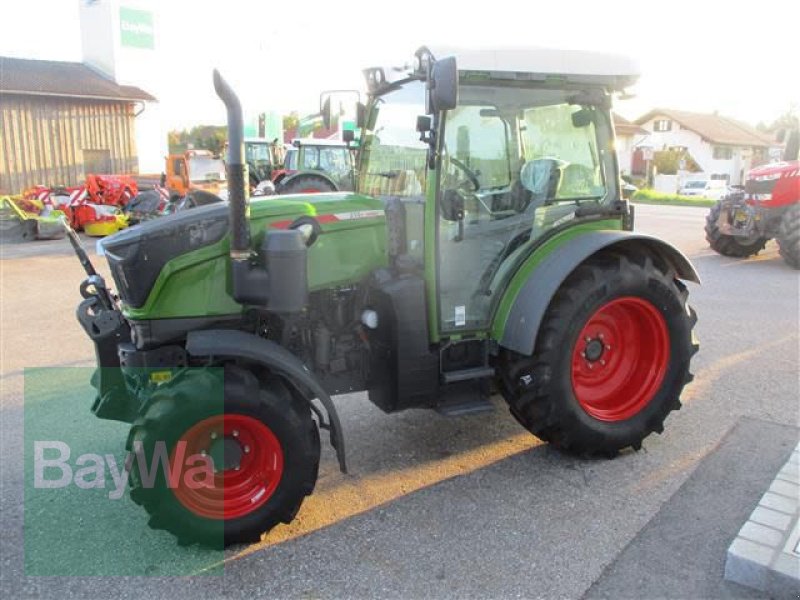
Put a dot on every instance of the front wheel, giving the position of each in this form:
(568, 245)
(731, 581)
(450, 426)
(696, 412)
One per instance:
(611, 357)
(789, 236)
(730, 245)
(259, 446)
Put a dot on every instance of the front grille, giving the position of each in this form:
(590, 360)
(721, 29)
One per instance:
(759, 187)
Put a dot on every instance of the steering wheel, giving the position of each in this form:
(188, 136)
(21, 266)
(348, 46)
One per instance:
(471, 175)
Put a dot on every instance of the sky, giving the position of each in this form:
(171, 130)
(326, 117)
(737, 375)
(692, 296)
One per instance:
(738, 59)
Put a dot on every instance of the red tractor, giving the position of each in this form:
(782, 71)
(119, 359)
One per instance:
(743, 222)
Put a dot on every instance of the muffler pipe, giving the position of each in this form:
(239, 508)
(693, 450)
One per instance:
(235, 167)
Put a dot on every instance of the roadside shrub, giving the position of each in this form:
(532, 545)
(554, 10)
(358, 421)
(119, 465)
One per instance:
(652, 197)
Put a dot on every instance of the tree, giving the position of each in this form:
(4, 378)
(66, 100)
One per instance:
(202, 137)
(786, 122)
(291, 121)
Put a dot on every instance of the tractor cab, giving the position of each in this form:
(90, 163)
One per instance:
(524, 150)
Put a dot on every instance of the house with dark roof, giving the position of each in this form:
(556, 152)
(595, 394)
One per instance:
(717, 147)
(62, 120)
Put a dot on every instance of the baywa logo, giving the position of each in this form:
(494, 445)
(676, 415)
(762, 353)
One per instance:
(54, 470)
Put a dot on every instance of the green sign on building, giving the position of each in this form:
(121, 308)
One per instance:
(265, 125)
(136, 28)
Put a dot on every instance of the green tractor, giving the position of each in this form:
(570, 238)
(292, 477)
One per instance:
(486, 248)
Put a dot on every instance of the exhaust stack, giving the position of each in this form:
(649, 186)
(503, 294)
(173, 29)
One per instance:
(284, 251)
(235, 167)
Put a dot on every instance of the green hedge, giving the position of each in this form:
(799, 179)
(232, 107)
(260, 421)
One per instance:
(653, 197)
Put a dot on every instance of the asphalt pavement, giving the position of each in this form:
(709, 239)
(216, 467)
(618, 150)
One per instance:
(433, 506)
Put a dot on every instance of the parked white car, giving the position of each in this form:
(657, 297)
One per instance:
(713, 189)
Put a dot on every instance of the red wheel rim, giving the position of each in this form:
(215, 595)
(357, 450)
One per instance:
(250, 474)
(620, 358)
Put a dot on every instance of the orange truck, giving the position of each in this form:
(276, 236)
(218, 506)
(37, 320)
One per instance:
(194, 170)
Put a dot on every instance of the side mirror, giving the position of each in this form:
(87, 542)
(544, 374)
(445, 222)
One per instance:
(325, 111)
(348, 136)
(582, 118)
(443, 85)
(424, 124)
(163, 181)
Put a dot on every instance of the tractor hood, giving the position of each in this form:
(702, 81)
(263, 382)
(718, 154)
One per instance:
(165, 247)
(774, 169)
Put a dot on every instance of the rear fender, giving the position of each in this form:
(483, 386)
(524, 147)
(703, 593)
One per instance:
(533, 298)
(222, 343)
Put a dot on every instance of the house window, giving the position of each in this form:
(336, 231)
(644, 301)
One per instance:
(662, 125)
(723, 153)
(720, 177)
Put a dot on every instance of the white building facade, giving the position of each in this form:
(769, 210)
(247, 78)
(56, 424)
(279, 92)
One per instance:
(721, 147)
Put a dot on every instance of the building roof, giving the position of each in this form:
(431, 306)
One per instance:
(64, 79)
(712, 127)
(624, 127)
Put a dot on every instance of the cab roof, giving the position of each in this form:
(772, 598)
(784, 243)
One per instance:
(535, 63)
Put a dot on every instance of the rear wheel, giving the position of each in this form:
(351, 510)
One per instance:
(263, 447)
(729, 245)
(611, 358)
(789, 236)
(306, 184)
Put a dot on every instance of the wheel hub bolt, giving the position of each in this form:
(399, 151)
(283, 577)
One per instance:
(213, 435)
(235, 433)
(247, 449)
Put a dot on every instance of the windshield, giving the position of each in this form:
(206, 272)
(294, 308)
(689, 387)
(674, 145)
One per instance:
(515, 164)
(256, 151)
(205, 168)
(393, 160)
(392, 155)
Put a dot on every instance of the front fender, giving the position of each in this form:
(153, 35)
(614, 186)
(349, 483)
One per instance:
(238, 344)
(531, 301)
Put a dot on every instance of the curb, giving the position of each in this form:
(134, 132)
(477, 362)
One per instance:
(766, 552)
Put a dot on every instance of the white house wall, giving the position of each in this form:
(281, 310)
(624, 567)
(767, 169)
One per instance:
(700, 150)
(624, 147)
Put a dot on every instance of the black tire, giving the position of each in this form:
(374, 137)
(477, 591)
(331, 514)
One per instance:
(729, 245)
(193, 397)
(789, 236)
(306, 184)
(539, 388)
(29, 229)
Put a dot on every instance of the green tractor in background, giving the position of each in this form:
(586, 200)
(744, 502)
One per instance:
(486, 247)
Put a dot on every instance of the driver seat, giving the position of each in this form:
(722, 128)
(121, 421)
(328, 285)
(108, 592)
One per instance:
(538, 183)
(541, 177)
